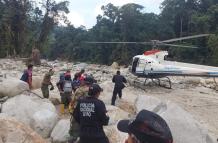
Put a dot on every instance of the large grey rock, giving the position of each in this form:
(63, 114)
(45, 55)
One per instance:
(52, 94)
(114, 135)
(149, 103)
(12, 131)
(184, 128)
(116, 114)
(43, 122)
(60, 132)
(36, 82)
(40, 114)
(11, 87)
(115, 65)
(127, 103)
(106, 95)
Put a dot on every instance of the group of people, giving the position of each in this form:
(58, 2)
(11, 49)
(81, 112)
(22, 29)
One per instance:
(80, 96)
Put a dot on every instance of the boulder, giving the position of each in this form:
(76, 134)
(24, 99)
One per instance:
(43, 122)
(33, 111)
(36, 82)
(106, 95)
(127, 103)
(60, 132)
(114, 135)
(12, 131)
(115, 65)
(55, 101)
(116, 114)
(149, 103)
(184, 128)
(209, 81)
(12, 87)
(54, 95)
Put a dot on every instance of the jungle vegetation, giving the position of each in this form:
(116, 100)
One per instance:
(24, 25)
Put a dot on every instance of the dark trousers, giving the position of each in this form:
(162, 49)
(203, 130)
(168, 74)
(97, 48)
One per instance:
(115, 92)
(94, 140)
(65, 99)
(45, 90)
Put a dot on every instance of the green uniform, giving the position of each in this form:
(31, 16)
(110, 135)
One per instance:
(45, 90)
(74, 126)
(45, 83)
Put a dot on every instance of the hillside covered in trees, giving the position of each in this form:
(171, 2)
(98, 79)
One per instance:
(24, 25)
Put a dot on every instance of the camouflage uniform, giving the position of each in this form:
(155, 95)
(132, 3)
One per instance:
(81, 92)
(45, 83)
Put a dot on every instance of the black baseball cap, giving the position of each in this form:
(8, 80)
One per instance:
(94, 89)
(147, 127)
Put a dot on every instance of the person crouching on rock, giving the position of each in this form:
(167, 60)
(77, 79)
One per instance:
(90, 113)
(46, 83)
(147, 127)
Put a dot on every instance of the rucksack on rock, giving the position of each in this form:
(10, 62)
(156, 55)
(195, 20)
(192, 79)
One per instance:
(68, 86)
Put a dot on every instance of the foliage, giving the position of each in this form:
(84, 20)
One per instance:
(23, 26)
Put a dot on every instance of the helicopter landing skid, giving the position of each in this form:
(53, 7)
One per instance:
(160, 81)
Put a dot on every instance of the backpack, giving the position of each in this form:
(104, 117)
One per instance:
(61, 77)
(75, 84)
(24, 77)
(67, 86)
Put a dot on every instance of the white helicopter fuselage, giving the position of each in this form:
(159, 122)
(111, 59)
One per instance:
(152, 64)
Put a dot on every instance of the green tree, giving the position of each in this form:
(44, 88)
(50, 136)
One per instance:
(53, 13)
(13, 25)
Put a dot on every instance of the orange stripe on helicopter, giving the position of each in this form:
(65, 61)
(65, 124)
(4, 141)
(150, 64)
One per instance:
(151, 52)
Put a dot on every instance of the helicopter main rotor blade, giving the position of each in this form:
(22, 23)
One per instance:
(172, 45)
(145, 43)
(185, 38)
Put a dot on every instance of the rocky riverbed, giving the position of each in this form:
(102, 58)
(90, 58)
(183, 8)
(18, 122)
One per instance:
(190, 107)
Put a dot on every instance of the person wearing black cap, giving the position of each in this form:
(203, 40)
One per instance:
(90, 113)
(147, 127)
(119, 81)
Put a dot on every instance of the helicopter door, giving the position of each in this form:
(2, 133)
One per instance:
(134, 64)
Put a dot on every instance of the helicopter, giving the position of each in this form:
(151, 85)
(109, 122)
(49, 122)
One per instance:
(153, 64)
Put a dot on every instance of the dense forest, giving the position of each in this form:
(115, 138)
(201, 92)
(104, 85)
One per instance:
(25, 25)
